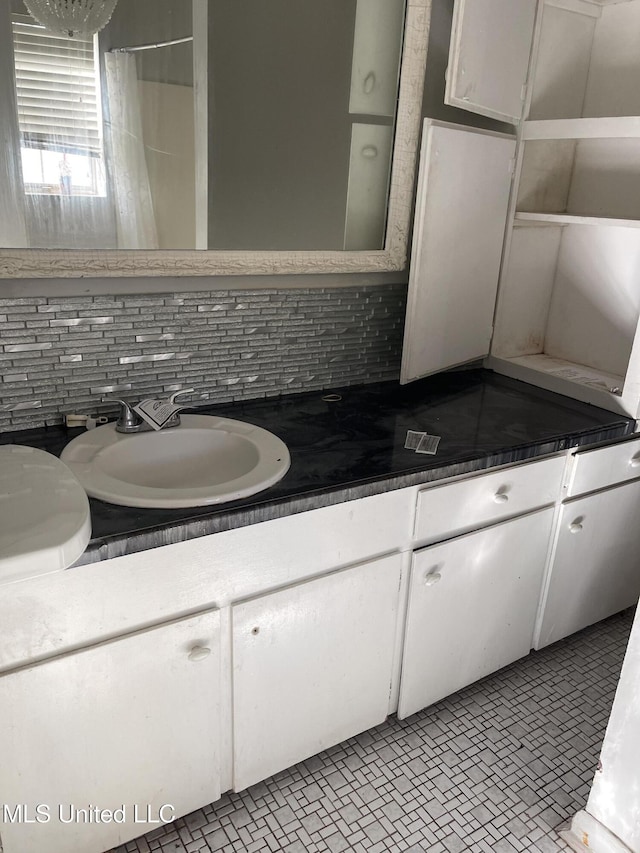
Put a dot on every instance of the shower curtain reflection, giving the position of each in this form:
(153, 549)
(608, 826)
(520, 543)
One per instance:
(13, 229)
(135, 220)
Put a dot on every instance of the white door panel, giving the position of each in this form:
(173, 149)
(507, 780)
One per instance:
(132, 722)
(489, 56)
(595, 570)
(311, 666)
(472, 607)
(463, 195)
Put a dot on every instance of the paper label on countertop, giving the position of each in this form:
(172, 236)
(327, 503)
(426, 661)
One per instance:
(421, 442)
(156, 412)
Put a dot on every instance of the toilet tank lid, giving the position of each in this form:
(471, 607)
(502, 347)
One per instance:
(45, 521)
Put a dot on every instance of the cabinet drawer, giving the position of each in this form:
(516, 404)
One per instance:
(456, 507)
(606, 466)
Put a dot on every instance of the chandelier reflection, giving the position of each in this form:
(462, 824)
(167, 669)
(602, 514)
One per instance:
(72, 17)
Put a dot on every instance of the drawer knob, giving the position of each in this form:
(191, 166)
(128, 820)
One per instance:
(575, 527)
(635, 461)
(500, 497)
(199, 653)
(432, 578)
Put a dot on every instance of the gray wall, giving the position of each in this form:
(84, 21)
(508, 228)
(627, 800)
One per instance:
(279, 141)
(147, 22)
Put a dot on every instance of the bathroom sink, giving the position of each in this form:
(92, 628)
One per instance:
(206, 460)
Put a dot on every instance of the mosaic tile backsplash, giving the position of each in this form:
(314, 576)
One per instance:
(61, 355)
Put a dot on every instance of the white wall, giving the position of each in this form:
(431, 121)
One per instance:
(615, 796)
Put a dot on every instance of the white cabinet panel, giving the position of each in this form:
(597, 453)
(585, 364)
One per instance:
(129, 722)
(311, 666)
(118, 596)
(595, 570)
(487, 498)
(472, 607)
(489, 56)
(463, 194)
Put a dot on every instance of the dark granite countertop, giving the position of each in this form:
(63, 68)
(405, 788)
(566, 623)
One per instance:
(354, 447)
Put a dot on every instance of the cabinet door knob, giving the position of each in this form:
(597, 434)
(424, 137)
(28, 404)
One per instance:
(635, 461)
(575, 527)
(432, 578)
(501, 497)
(199, 653)
(369, 83)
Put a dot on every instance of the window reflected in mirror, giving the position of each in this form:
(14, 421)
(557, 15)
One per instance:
(258, 125)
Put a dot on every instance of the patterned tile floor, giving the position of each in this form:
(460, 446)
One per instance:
(496, 767)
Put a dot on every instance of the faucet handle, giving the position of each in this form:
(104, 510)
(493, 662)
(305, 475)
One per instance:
(127, 419)
(172, 398)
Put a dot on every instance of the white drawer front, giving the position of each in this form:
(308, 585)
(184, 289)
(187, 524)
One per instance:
(468, 504)
(606, 466)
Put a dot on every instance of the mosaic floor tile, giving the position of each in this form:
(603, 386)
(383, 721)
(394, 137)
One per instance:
(495, 768)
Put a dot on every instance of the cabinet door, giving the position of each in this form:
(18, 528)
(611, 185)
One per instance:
(489, 57)
(131, 722)
(461, 210)
(595, 570)
(311, 666)
(472, 607)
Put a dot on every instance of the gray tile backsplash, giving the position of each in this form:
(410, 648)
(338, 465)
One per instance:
(63, 354)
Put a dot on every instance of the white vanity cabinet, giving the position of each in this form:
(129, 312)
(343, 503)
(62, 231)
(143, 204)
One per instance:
(567, 310)
(472, 607)
(473, 598)
(594, 570)
(312, 666)
(131, 724)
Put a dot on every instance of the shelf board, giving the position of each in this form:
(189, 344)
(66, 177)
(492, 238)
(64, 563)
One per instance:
(569, 371)
(523, 218)
(615, 127)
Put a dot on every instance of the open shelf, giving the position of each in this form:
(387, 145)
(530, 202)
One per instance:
(570, 371)
(523, 218)
(590, 177)
(606, 127)
(588, 62)
(568, 309)
(568, 378)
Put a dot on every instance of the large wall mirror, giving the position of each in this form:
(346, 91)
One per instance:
(202, 137)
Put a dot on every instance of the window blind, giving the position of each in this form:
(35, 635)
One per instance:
(57, 91)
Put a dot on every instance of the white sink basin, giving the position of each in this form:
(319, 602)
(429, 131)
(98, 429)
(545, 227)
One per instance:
(206, 460)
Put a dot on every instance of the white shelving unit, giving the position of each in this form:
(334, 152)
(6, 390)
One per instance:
(567, 311)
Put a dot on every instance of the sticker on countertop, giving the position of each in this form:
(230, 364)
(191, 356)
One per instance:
(421, 442)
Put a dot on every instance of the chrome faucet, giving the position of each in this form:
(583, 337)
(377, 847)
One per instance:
(129, 421)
